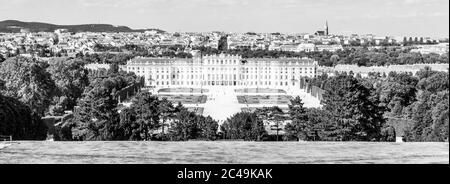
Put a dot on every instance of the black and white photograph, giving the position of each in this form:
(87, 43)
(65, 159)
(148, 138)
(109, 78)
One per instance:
(219, 82)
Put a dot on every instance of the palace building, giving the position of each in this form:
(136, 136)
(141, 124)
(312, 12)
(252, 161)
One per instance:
(223, 70)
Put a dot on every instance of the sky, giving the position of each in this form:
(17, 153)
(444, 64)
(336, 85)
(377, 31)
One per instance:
(379, 17)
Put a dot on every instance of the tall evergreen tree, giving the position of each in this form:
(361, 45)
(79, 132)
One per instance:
(245, 126)
(299, 126)
(97, 117)
(354, 114)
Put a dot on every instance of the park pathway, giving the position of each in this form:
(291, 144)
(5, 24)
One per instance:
(221, 104)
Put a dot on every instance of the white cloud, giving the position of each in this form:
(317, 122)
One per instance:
(424, 2)
(120, 3)
(421, 14)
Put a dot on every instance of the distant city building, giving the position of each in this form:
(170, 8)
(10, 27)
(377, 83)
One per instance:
(306, 47)
(24, 30)
(330, 48)
(320, 33)
(323, 32)
(440, 49)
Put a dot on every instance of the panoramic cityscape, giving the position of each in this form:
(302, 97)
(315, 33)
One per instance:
(233, 94)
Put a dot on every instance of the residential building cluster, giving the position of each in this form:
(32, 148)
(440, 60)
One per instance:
(440, 49)
(69, 44)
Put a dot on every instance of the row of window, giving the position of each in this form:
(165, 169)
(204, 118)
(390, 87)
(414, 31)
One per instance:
(225, 62)
(243, 70)
(221, 83)
(221, 61)
(224, 76)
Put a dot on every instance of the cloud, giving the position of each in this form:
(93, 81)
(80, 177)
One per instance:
(424, 2)
(421, 14)
(12, 4)
(120, 3)
(415, 1)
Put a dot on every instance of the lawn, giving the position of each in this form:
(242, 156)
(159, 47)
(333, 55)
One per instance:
(198, 110)
(264, 99)
(253, 109)
(185, 99)
(259, 90)
(183, 90)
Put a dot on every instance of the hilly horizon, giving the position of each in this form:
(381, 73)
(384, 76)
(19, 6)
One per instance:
(14, 26)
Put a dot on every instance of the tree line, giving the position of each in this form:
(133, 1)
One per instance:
(37, 89)
(99, 118)
(361, 56)
(354, 108)
(350, 112)
(359, 109)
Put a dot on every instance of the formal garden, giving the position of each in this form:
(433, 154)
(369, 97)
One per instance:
(253, 109)
(264, 99)
(185, 99)
(197, 110)
(183, 90)
(259, 90)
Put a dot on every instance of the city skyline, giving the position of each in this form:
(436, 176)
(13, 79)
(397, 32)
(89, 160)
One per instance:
(383, 18)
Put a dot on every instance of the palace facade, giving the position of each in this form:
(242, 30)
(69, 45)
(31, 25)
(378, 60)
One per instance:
(223, 70)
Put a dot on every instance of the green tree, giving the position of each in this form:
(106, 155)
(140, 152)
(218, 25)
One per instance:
(354, 113)
(430, 113)
(208, 128)
(27, 80)
(2, 58)
(17, 120)
(245, 126)
(167, 112)
(146, 106)
(97, 117)
(299, 127)
(272, 114)
(334, 59)
(70, 77)
(223, 43)
(397, 92)
(129, 128)
(184, 127)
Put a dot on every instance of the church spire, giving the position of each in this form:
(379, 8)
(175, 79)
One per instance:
(326, 27)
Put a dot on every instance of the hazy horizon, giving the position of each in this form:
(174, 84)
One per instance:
(424, 18)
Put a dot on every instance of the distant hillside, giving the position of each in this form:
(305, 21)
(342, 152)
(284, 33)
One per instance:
(14, 26)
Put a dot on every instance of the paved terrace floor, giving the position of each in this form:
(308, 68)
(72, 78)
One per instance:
(222, 101)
